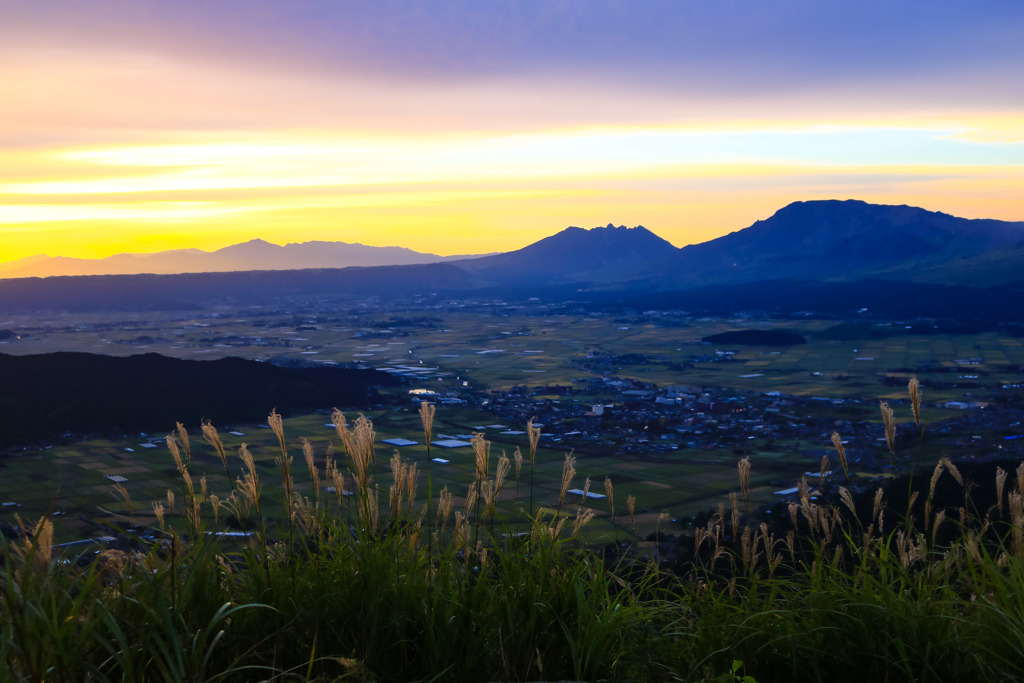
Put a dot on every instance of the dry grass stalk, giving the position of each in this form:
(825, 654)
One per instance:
(338, 482)
(186, 444)
(555, 529)
(877, 507)
(890, 426)
(481, 554)
(583, 516)
(213, 438)
(172, 446)
(170, 500)
(276, 423)
(1000, 486)
(284, 464)
(397, 487)
(314, 472)
(359, 445)
(240, 506)
(517, 457)
(953, 470)
(533, 434)
(444, 507)
(471, 498)
(249, 483)
(427, 418)
(460, 535)
(341, 427)
(768, 542)
(747, 550)
(914, 389)
(609, 493)
(158, 512)
(215, 506)
(824, 469)
(1020, 478)
(936, 473)
(487, 495)
(940, 516)
(504, 466)
(36, 546)
(1017, 521)
(744, 472)
(903, 548)
(847, 499)
(123, 494)
(334, 476)
(793, 509)
(373, 511)
(410, 486)
(306, 516)
(482, 451)
(973, 547)
(586, 491)
(837, 442)
(568, 472)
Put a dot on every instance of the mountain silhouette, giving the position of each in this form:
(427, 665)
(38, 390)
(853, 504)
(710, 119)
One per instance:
(814, 251)
(608, 254)
(255, 254)
(840, 241)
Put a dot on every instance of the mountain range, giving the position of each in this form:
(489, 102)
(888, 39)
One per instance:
(255, 254)
(808, 255)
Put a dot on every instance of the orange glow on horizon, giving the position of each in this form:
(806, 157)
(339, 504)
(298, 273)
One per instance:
(476, 192)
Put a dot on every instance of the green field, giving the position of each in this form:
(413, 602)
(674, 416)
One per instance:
(492, 350)
(73, 480)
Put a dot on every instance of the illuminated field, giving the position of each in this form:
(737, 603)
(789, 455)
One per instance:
(73, 480)
(493, 350)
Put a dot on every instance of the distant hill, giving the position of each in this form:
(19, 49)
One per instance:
(850, 240)
(829, 256)
(252, 255)
(84, 393)
(604, 255)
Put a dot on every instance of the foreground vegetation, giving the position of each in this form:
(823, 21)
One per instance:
(354, 582)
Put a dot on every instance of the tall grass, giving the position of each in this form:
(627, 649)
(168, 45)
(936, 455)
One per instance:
(377, 586)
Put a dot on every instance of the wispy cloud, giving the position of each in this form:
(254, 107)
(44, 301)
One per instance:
(493, 123)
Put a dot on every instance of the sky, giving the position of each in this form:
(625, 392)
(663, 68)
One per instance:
(466, 127)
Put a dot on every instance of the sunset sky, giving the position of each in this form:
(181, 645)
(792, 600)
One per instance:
(469, 127)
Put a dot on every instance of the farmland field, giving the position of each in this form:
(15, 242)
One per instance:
(492, 350)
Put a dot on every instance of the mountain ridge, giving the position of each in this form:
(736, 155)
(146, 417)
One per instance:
(254, 254)
(810, 245)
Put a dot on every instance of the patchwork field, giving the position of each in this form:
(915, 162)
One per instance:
(77, 482)
(492, 349)
(488, 349)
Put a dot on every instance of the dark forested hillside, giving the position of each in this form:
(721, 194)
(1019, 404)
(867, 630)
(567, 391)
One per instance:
(46, 395)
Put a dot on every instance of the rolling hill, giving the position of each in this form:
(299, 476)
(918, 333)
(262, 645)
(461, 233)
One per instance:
(84, 393)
